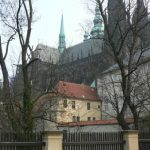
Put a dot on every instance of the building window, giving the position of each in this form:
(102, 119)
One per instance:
(78, 118)
(65, 103)
(89, 119)
(73, 105)
(98, 106)
(50, 117)
(94, 118)
(106, 107)
(88, 106)
(74, 118)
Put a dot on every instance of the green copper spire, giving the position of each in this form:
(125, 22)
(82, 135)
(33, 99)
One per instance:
(98, 29)
(62, 42)
(93, 85)
(62, 26)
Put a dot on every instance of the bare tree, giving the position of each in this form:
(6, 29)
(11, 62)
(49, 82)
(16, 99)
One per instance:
(18, 17)
(125, 24)
(109, 85)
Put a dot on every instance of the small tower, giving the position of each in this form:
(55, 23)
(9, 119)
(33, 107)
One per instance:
(98, 29)
(93, 85)
(62, 42)
(86, 35)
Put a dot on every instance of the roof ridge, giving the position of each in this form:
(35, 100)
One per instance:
(95, 122)
(76, 84)
(78, 91)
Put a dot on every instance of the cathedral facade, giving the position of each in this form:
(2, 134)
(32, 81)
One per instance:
(82, 63)
(79, 63)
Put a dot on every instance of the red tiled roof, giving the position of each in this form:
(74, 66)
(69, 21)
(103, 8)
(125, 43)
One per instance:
(78, 91)
(96, 122)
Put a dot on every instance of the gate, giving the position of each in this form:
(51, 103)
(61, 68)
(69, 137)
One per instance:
(21, 141)
(93, 141)
(144, 141)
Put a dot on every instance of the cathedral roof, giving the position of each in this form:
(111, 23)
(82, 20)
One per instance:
(82, 50)
(143, 54)
(46, 53)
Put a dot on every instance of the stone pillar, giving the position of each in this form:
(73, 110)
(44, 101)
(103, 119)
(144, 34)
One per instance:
(131, 140)
(53, 140)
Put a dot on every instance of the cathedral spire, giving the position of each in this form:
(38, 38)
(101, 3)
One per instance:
(140, 11)
(62, 42)
(97, 30)
(140, 3)
(117, 22)
(140, 20)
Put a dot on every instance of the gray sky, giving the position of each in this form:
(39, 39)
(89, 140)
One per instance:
(46, 29)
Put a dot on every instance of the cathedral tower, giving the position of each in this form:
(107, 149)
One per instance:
(98, 28)
(117, 22)
(116, 16)
(141, 22)
(62, 42)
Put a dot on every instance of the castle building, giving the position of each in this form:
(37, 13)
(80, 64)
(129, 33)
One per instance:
(82, 62)
(78, 64)
(77, 102)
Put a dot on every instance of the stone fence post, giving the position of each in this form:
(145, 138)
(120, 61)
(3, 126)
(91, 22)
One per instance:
(131, 140)
(53, 140)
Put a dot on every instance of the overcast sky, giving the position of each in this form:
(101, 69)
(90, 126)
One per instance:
(47, 25)
(48, 14)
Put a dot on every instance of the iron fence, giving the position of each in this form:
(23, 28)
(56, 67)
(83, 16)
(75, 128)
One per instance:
(144, 141)
(21, 141)
(93, 141)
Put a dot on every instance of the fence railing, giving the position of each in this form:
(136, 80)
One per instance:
(21, 141)
(126, 140)
(93, 141)
(144, 141)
